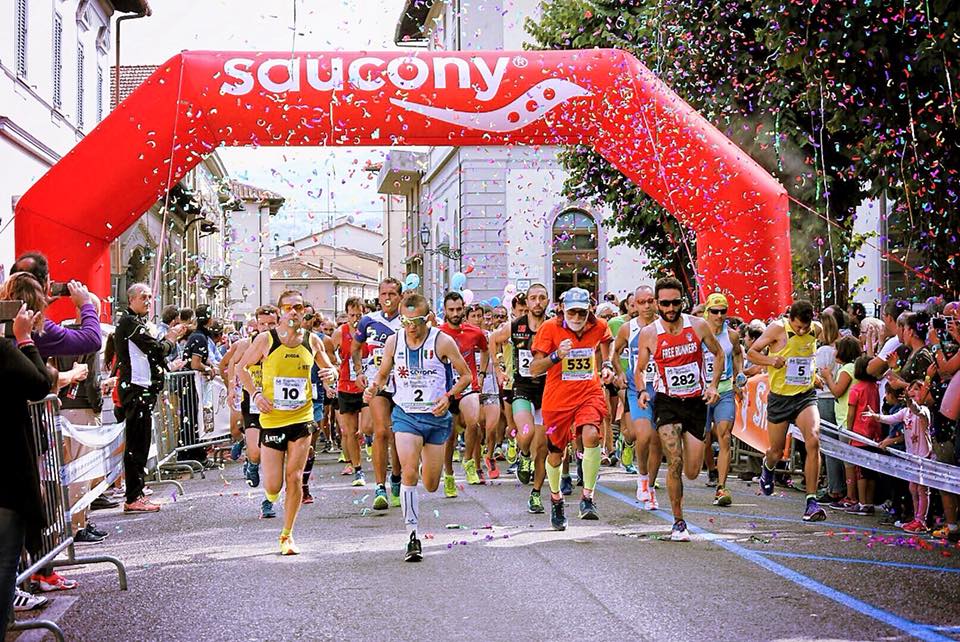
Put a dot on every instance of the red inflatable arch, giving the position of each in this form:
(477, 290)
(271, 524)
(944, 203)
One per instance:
(197, 101)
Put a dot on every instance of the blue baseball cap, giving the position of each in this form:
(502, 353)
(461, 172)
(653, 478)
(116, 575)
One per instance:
(576, 299)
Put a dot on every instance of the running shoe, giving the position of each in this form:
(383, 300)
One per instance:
(481, 476)
(394, 493)
(535, 503)
(342, 458)
(512, 468)
(861, 509)
(626, 456)
(380, 501)
(915, 526)
(566, 485)
(557, 518)
(524, 468)
(93, 530)
(414, 550)
(723, 497)
(84, 536)
(498, 454)
(679, 532)
(492, 469)
(630, 470)
(588, 509)
(712, 477)
(450, 486)
(814, 512)
(456, 454)
(142, 505)
(251, 473)
(236, 450)
(766, 479)
(307, 497)
(651, 504)
(470, 470)
(288, 546)
(841, 504)
(945, 532)
(614, 459)
(359, 479)
(23, 601)
(511, 450)
(347, 470)
(266, 510)
(643, 490)
(604, 461)
(53, 582)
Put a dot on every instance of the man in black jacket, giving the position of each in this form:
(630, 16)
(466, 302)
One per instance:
(141, 359)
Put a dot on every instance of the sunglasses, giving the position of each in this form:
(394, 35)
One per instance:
(421, 320)
(577, 312)
(646, 301)
(296, 307)
(309, 316)
(671, 303)
(717, 310)
(499, 316)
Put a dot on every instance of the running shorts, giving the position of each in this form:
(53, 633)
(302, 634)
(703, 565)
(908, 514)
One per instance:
(454, 407)
(633, 404)
(506, 396)
(525, 405)
(279, 438)
(350, 402)
(489, 399)
(689, 412)
(724, 410)
(786, 408)
(563, 426)
(251, 421)
(433, 430)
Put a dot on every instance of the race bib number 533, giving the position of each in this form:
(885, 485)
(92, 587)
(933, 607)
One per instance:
(578, 365)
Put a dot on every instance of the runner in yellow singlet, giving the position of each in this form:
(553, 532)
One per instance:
(792, 398)
(285, 402)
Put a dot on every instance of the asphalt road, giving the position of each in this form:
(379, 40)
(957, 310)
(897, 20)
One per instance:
(207, 568)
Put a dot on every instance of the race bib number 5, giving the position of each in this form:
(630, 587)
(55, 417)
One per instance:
(289, 393)
(578, 365)
(799, 371)
(377, 357)
(682, 381)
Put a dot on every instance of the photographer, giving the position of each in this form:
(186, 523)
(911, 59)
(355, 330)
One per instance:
(140, 359)
(53, 339)
(23, 378)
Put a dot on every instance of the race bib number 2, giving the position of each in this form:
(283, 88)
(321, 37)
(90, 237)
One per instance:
(289, 393)
(578, 365)
(525, 358)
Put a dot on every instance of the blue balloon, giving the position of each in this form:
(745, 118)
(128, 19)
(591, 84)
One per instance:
(458, 281)
(411, 281)
(495, 301)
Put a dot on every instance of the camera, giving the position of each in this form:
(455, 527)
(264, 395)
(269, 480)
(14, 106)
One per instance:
(59, 289)
(939, 323)
(9, 311)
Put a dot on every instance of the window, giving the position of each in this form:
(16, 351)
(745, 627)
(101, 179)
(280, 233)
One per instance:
(21, 52)
(80, 85)
(575, 257)
(99, 94)
(57, 61)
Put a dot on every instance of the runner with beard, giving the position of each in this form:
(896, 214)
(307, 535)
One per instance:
(505, 366)
(674, 343)
(637, 426)
(573, 403)
(373, 331)
(470, 341)
(527, 392)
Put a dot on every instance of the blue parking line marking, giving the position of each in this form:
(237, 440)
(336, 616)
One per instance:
(895, 621)
(858, 560)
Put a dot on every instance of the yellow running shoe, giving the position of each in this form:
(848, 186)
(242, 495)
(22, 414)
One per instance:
(470, 470)
(449, 485)
(288, 546)
(626, 455)
(512, 450)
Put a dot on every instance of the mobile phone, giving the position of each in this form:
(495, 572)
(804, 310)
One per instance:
(9, 310)
(59, 289)
(939, 323)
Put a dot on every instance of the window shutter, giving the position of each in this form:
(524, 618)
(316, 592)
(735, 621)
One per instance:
(99, 94)
(57, 61)
(80, 85)
(21, 38)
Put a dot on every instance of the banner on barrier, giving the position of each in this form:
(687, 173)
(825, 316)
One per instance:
(750, 423)
(216, 411)
(92, 461)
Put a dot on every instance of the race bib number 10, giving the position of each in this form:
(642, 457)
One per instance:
(578, 365)
(289, 393)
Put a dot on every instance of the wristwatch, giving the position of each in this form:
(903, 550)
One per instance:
(935, 348)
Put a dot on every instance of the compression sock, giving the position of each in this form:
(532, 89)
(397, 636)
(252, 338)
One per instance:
(410, 505)
(272, 497)
(553, 478)
(591, 469)
(308, 468)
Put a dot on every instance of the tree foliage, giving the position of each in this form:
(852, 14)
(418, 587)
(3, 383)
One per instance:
(764, 76)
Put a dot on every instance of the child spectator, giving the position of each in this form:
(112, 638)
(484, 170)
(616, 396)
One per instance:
(864, 404)
(915, 418)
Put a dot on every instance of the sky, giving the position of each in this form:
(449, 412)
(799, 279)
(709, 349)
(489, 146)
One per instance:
(317, 182)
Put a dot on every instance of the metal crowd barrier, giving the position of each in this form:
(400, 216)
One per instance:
(56, 537)
(890, 461)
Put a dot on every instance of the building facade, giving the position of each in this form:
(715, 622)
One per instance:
(495, 213)
(54, 88)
